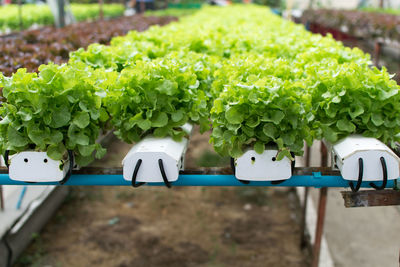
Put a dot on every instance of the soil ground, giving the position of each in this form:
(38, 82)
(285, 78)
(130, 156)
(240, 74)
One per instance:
(156, 226)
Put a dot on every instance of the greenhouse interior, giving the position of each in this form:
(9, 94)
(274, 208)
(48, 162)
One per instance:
(169, 133)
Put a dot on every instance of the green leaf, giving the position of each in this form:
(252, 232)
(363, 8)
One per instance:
(56, 151)
(356, 110)
(103, 115)
(377, 119)
(279, 143)
(253, 121)
(345, 125)
(82, 160)
(56, 137)
(236, 150)
(159, 120)
(284, 153)
(234, 115)
(289, 138)
(37, 136)
(82, 139)
(86, 150)
(100, 151)
(25, 113)
(275, 116)
(227, 135)
(270, 130)
(144, 124)
(161, 132)
(168, 87)
(47, 74)
(60, 117)
(336, 99)
(177, 116)
(16, 138)
(259, 147)
(81, 119)
(329, 134)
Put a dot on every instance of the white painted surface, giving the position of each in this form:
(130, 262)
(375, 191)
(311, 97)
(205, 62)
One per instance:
(34, 194)
(8, 190)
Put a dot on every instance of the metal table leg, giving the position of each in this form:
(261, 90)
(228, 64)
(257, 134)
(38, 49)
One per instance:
(320, 226)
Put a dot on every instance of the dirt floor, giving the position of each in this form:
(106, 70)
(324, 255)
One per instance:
(156, 226)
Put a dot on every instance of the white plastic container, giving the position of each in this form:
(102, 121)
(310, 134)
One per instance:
(346, 154)
(252, 166)
(150, 150)
(33, 166)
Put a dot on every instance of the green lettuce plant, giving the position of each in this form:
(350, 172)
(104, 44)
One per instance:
(260, 104)
(260, 80)
(57, 110)
(158, 97)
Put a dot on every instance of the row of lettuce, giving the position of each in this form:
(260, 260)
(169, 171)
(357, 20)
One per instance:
(254, 78)
(381, 26)
(32, 14)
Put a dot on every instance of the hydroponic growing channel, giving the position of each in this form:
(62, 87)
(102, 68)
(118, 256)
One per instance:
(262, 84)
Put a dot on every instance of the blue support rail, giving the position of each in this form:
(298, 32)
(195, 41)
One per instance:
(315, 180)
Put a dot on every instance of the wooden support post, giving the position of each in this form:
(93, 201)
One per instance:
(303, 239)
(101, 13)
(21, 24)
(308, 155)
(371, 198)
(323, 193)
(324, 155)
(320, 226)
(61, 13)
(142, 7)
(377, 52)
(1, 198)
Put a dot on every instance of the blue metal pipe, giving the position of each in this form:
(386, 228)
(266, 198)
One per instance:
(21, 197)
(315, 180)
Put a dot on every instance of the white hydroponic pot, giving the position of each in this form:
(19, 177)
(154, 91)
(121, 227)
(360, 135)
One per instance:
(347, 152)
(149, 151)
(252, 166)
(33, 166)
